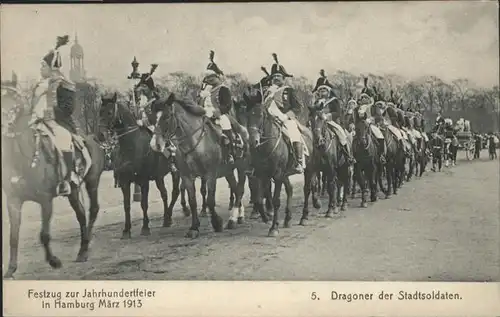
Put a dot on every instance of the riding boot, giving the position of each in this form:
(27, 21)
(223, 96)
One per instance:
(348, 154)
(299, 153)
(229, 146)
(382, 151)
(64, 188)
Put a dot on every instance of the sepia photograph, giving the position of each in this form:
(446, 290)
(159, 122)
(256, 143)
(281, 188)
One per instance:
(322, 141)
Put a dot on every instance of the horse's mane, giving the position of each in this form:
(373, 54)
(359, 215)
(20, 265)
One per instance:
(186, 103)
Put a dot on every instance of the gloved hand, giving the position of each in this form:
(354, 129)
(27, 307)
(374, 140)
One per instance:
(216, 113)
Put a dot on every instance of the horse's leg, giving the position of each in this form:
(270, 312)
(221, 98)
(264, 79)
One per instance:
(92, 187)
(315, 199)
(269, 198)
(360, 178)
(240, 189)
(47, 208)
(231, 198)
(289, 196)
(273, 231)
(167, 214)
(354, 180)
(373, 177)
(145, 231)
(211, 185)
(332, 194)
(259, 198)
(203, 191)
(253, 183)
(125, 187)
(308, 176)
(189, 185)
(233, 218)
(344, 186)
(77, 206)
(176, 180)
(185, 210)
(389, 175)
(14, 206)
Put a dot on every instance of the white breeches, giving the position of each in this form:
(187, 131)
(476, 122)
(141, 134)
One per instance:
(293, 130)
(224, 122)
(62, 137)
(339, 131)
(376, 131)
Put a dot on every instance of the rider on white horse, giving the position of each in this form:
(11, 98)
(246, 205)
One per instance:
(47, 110)
(282, 104)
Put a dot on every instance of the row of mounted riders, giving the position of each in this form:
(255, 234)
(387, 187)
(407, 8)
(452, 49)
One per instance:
(44, 151)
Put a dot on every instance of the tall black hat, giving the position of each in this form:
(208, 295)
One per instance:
(322, 82)
(276, 68)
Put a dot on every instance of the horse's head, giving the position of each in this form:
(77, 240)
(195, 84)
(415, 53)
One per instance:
(165, 125)
(380, 107)
(408, 120)
(15, 116)
(240, 111)
(110, 116)
(255, 114)
(318, 123)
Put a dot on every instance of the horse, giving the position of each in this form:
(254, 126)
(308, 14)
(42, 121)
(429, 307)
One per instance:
(272, 159)
(199, 154)
(332, 163)
(395, 153)
(368, 166)
(136, 162)
(31, 173)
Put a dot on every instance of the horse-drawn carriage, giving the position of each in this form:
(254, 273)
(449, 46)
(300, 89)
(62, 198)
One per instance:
(465, 138)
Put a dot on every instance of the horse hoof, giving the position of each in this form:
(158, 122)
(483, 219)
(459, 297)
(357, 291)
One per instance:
(265, 219)
(203, 213)
(364, 205)
(145, 232)
(387, 196)
(329, 214)
(217, 223)
(55, 263)
(193, 234)
(241, 220)
(167, 223)
(10, 273)
(231, 205)
(273, 233)
(83, 257)
(287, 224)
(231, 225)
(303, 222)
(126, 235)
(373, 199)
(186, 211)
(317, 204)
(343, 208)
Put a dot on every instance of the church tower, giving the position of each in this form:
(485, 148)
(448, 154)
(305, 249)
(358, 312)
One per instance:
(77, 69)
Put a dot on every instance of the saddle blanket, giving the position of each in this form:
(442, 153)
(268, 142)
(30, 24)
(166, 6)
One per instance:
(81, 165)
(339, 131)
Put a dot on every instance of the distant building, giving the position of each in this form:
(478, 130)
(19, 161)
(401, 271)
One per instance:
(77, 66)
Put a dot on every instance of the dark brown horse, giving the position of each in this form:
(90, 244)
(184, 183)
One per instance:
(272, 160)
(394, 168)
(368, 167)
(332, 162)
(199, 154)
(30, 172)
(136, 162)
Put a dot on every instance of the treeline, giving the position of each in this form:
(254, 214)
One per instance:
(457, 99)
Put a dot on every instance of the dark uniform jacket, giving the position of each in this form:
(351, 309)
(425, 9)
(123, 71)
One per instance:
(286, 96)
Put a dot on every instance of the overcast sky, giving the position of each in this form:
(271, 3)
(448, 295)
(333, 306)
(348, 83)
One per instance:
(447, 39)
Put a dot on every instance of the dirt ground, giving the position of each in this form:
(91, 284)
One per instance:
(442, 227)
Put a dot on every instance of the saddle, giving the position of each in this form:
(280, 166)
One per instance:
(82, 160)
(240, 134)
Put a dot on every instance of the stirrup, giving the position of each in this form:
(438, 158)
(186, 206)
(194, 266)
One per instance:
(230, 159)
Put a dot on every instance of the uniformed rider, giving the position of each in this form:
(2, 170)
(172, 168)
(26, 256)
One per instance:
(330, 107)
(56, 112)
(366, 101)
(218, 102)
(281, 103)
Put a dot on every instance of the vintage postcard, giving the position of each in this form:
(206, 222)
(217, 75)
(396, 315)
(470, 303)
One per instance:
(250, 159)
